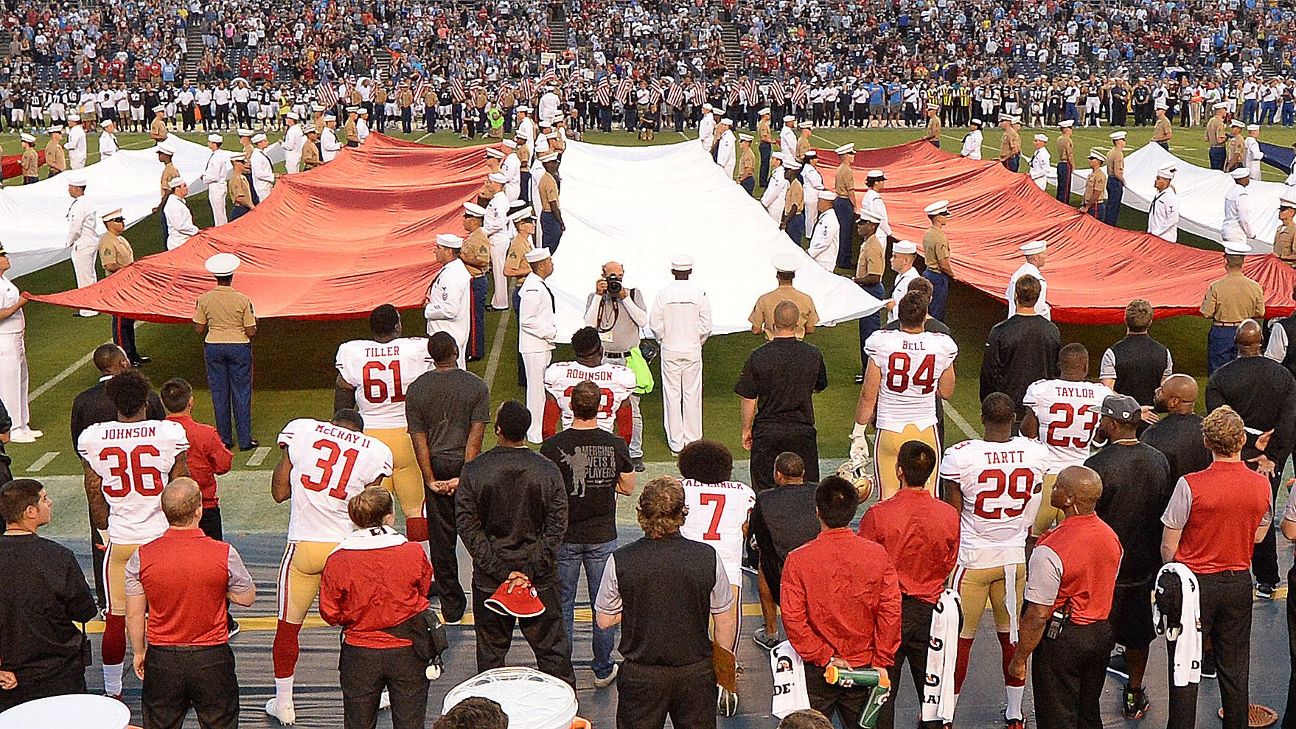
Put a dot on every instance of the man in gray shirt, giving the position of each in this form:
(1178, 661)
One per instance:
(618, 313)
(447, 409)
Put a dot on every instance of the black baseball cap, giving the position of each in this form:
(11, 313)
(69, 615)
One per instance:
(1122, 408)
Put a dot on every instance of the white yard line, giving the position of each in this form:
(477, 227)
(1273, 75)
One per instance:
(497, 346)
(258, 456)
(54, 381)
(42, 462)
(959, 421)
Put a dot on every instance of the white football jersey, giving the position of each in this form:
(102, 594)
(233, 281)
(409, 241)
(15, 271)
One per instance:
(380, 374)
(134, 460)
(1068, 418)
(330, 464)
(912, 365)
(1002, 486)
(615, 382)
(717, 514)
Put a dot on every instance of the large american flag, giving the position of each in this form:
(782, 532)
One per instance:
(325, 94)
(420, 85)
(603, 92)
(457, 90)
(625, 90)
(675, 97)
(734, 87)
(776, 93)
(800, 93)
(526, 89)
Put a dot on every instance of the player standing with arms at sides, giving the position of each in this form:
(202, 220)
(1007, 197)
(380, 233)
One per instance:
(1063, 415)
(616, 384)
(908, 368)
(996, 484)
(322, 466)
(374, 375)
(127, 462)
(718, 512)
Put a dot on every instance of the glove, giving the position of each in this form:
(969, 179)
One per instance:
(858, 469)
(859, 442)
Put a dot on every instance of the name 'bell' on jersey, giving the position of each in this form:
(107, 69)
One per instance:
(717, 514)
(1001, 485)
(380, 374)
(330, 464)
(911, 365)
(1068, 414)
(615, 382)
(135, 461)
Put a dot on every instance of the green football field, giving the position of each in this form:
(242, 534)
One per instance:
(293, 360)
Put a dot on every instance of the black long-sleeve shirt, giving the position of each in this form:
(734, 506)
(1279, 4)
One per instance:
(511, 509)
(1019, 350)
(1179, 438)
(43, 595)
(1263, 392)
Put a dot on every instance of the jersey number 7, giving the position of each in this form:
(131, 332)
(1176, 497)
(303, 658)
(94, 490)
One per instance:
(330, 452)
(712, 534)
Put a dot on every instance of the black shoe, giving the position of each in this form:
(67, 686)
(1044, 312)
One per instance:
(1208, 665)
(251, 445)
(1265, 591)
(233, 627)
(1136, 703)
(1117, 667)
(140, 360)
(638, 463)
(472, 359)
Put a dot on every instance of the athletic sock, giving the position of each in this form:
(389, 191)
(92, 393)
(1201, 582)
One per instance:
(961, 662)
(1007, 650)
(284, 691)
(114, 643)
(284, 650)
(416, 528)
(112, 679)
(1014, 693)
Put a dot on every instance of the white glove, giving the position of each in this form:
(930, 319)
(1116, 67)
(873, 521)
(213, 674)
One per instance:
(859, 442)
(858, 469)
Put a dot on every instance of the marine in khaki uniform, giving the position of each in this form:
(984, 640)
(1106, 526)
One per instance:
(310, 158)
(169, 173)
(933, 125)
(746, 173)
(158, 129)
(516, 265)
(115, 253)
(240, 190)
(475, 253)
(765, 137)
(1235, 148)
(1228, 302)
(1284, 243)
(1215, 135)
(1095, 192)
(1010, 145)
(55, 155)
(803, 141)
(225, 318)
(30, 160)
(1161, 131)
(350, 136)
(793, 202)
(868, 276)
(762, 315)
(936, 252)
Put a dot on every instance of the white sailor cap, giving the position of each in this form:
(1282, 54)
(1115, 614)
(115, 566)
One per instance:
(492, 152)
(868, 216)
(521, 216)
(1236, 248)
(215, 139)
(788, 118)
(706, 106)
(363, 111)
(681, 262)
(164, 148)
(718, 110)
(328, 116)
(1238, 123)
(548, 157)
(176, 182)
(28, 138)
(56, 128)
(293, 115)
(474, 210)
(111, 215)
(74, 117)
(811, 154)
(765, 111)
(510, 144)
(904, 246)
(875, 175)
(1066, 124)
(826, 195)
(846, 149)
(1287, 199)
(786, 262)
(156, 109)
(976, 122)
(1253, 127)
(222, 264)
(1166, 173)
(806, 124)
(1240, 173)
(106, 123)
(523, 108)
(1033, 247)
(1219, 105)
(1041, 138)
(940, 207)
(498, 177)
(1117, 136)
(76, 179)
(258, 138)
(353, 110)
(1095, 154)
(933, 107)
(244, 132)
(744, 137)
(792, 165)
(449, 240)
(726, 121)
(536, 255)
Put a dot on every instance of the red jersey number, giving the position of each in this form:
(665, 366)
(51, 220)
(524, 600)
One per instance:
(1018, 485)
(712, 534)
(606, 399)
(131, 471)
(1065, 416)
(901, 373)
(376, 385)
(330, 453)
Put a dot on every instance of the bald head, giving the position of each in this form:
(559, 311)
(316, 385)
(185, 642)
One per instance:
(786, 316)
(182, 502)
(1077, 487)
(110, 359)
(1177, 394)
(1249, 338)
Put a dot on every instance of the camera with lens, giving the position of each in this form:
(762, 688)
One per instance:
(613, 285)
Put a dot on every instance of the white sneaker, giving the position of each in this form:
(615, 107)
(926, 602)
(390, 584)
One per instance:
(286, 714)
(384, 701)
(21, 436)
(33, 432)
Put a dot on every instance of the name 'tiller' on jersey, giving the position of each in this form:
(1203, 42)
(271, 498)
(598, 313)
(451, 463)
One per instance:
(1002, 486)
(615, 383)
(1068, 415)
(717, 514)
(380, 374)
(135, 461)
(330, 464)
(911, 365)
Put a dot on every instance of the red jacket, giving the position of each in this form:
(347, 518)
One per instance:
(208, 457)
(374, 580)
(921, 533)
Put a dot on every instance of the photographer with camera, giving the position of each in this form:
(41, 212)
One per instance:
(618, 313)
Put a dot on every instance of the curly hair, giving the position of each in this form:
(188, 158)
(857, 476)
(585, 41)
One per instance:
(661, 507)
(1224, 431)
(706, 461)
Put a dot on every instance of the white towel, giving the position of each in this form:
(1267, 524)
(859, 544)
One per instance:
(942, 654)
(1188, 639)
(1010, 593)
(789, 680)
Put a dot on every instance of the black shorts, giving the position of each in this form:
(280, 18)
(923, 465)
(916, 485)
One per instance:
(1131, 615)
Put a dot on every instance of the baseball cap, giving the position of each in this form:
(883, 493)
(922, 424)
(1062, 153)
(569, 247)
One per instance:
(1122, 409)
(521, 602)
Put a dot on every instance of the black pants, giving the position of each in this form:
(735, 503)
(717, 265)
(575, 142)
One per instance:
(365, 672)
(1264, 557)
(846, 703)
(178, 679)
(71, 680)
(98, 550)
(1068, 673)
(1226, 623)
(769, 441)
(210, 524)
(915, 635)
(1289, 713)
(646, 695)
(442, 540)
(123, 334)
(544, 633)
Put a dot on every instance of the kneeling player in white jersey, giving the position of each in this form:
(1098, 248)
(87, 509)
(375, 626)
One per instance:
(323, 465)
(616, 384)
(1063, 415)
(127, 462)
(375, 374)
(718, 510)
(995, 484)
(908, 368)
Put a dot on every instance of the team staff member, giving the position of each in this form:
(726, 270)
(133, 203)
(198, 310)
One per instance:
(43, 595)
(1136, 487)
(681, 320)
(207, 457)
(1263, 393)
(1214, 520)
(447, 409)
(511, 509)
(936, 253)
(1022, 349)
(782, 520)
(226, 319)
(1137, 364)
(537, 331)
(449, 298)
(920, 534)
(762, 315)
(1073, 568)
(841, 603)
(115, 253)
(668, 668)
(182, 580)
(777, 387)
(619, 317)
(1228, 302)
(844, 203)
(1178, 433)
(372, 584)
